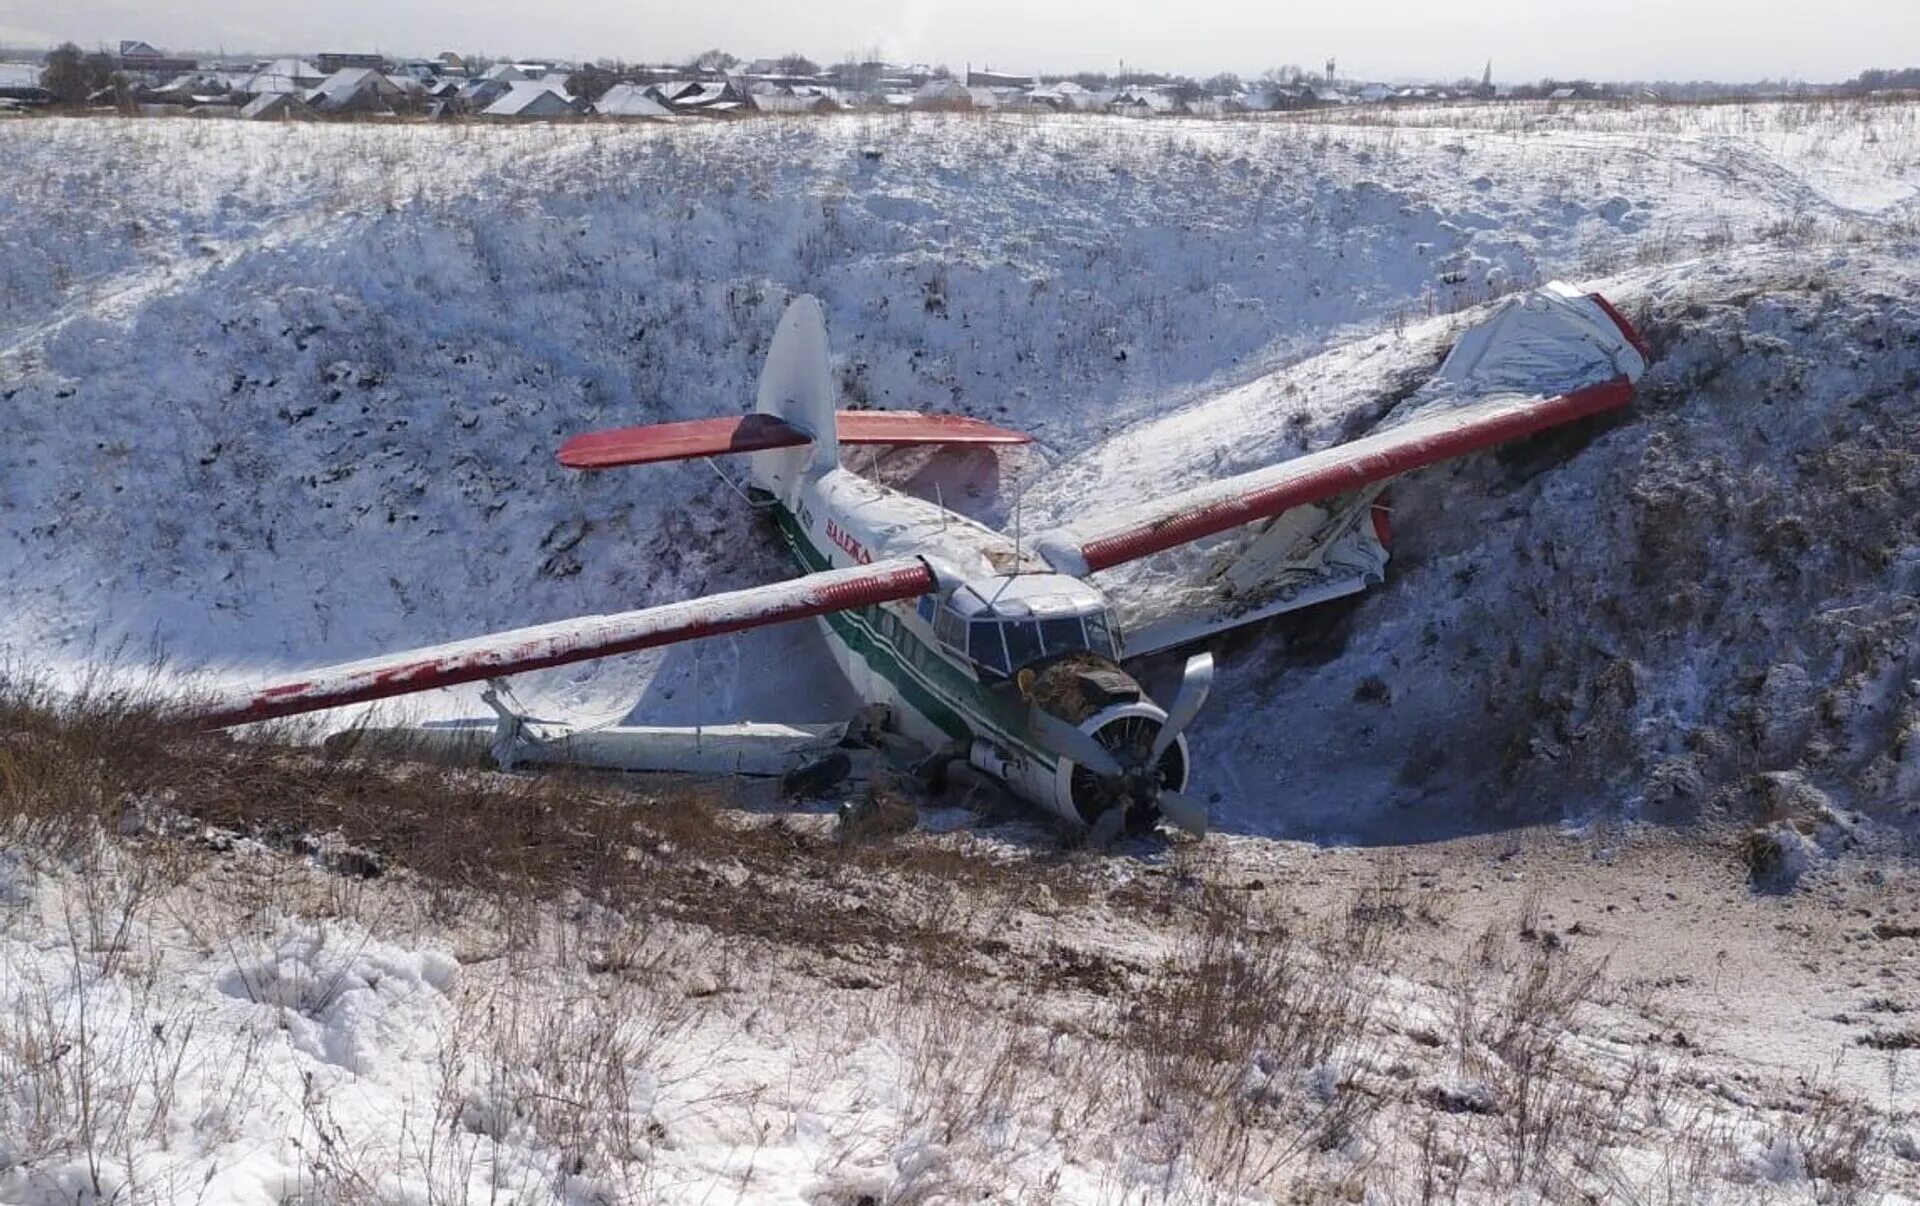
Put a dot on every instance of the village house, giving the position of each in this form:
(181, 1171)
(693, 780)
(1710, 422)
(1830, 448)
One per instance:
(791, 102)
(998, 79)
(142, 64)
(334, 62)
(277, 106)
(285, 75)
(630, 101)
(532, 100)
(20, 86)
(357, 90)
(943, 94)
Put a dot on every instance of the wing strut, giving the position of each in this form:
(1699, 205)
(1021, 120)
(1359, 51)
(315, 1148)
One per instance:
(566, 641)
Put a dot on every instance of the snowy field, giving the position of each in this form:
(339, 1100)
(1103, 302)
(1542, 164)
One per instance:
(283, 395)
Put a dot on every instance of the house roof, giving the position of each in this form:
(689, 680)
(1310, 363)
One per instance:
(285, 75)
(504, 71)
(274, 104)
(704, 94)
(349, 82)
(531, 98)
(629, 100)
(775, 103)
(19, 75)
(943, 90)
(138, 50)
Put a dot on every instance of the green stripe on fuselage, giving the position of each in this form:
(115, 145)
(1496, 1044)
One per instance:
(955, 702)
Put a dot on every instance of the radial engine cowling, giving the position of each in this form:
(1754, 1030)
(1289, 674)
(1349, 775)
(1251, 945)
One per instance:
(1106, 704)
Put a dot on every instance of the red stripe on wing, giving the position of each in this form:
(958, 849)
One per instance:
(1318, 476)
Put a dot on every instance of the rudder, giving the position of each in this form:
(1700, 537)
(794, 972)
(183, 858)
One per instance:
(797, 386)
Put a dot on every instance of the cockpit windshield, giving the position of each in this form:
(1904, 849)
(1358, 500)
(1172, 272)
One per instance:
(1006, 624)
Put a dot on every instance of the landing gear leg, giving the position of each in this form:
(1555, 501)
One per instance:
(510, 737)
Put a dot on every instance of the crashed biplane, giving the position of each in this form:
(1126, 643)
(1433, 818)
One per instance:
(1005, 653)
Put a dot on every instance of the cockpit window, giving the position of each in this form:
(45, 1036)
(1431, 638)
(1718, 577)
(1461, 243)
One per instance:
(984, 647)
(1099, 639)
(1002, 635)
(1062, 635)
(1023, 641)
(951, 631)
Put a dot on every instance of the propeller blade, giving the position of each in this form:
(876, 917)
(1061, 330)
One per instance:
(1106, 827)
(1195, 682)
(1183, 812)
(1069, 742)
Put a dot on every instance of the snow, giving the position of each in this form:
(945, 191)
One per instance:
(288, 396)
(294, 1057)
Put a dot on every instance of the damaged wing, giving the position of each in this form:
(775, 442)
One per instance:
(1544, 359)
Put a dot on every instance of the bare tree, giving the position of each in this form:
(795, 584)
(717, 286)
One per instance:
(591, 82)
(711, 61)
(72, 76)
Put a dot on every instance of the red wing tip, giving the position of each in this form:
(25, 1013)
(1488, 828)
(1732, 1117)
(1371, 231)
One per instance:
(1627, 328)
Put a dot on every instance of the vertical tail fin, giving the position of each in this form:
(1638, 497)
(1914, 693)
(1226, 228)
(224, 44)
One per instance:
(797, 385)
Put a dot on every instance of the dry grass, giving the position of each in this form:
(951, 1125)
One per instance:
(623, 943)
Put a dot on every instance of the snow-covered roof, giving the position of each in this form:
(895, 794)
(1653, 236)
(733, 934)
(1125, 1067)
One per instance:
(943, 90)
(629, 100)
(702, 95)
(1144, 99)
(1083, 100)
(776, 103)
(19, 75)
(348, 82)
(274, 104)
(532, 98)
(285, 75)
(504, 71)
(138, 50)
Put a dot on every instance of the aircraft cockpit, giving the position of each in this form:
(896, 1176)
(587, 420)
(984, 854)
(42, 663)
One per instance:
(1004, 624)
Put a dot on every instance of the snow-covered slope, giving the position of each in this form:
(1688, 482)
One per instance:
(283, 395)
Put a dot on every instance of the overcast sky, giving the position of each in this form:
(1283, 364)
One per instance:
(1389, 39)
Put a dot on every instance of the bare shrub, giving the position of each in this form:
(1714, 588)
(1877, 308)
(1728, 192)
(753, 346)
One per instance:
(1238, 1041)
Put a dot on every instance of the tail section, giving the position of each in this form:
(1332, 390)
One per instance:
(797, 387)
(794, 430)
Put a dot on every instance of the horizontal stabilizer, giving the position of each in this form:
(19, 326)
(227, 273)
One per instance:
(760, 432)
(566, 641)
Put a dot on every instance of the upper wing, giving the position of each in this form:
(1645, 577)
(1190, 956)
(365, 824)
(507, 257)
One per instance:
(567, 641)
(1546, 359)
